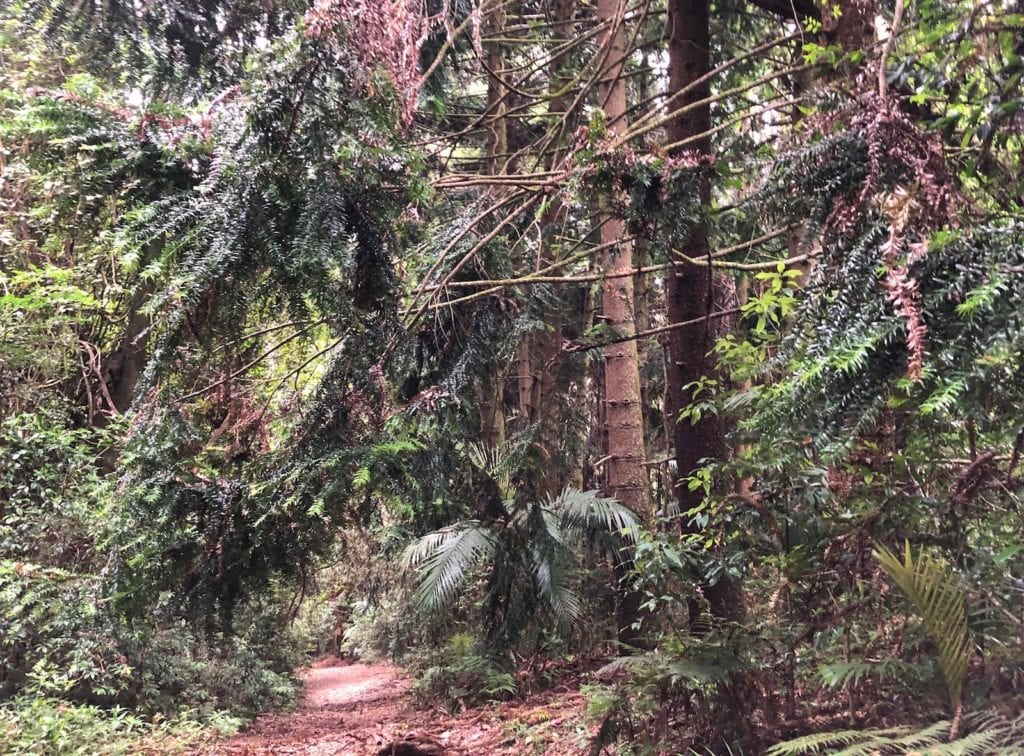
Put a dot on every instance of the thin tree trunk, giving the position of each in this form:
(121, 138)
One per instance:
(643, 295)
(537, 353)
(548, 343)
(492, 410)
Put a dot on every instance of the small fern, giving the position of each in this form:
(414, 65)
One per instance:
(988, 734)
(840, 674)
(829, 742)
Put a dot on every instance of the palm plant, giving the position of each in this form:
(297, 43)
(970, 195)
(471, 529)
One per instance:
(528, 551)
(938, 598)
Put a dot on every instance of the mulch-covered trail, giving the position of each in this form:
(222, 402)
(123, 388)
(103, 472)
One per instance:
(360, 709)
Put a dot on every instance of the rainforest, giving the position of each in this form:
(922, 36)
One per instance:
(512, 377)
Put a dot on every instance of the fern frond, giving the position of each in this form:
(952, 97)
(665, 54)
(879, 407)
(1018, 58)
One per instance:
(624, 664)
(686, 670)
(839, 674)
(981, 743)
(875, 743)
(821, 742)
(990, 734)
(930, 736)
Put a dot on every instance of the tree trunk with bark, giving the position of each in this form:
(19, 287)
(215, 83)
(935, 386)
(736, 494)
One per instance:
(625, 474)
(693, 292)
(537, 354)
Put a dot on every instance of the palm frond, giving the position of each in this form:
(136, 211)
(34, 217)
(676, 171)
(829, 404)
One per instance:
(551, 526)
(444, 560)
(583, 511)
(494, 461)
(938, 598)
(556, 590)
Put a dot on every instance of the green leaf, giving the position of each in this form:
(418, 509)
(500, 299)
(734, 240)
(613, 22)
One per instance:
(1008, 553)
(939, 600)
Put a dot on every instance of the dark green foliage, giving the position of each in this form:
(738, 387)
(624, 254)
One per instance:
(82, 164)
(62, 543)
(55, 634)
(279, 201)
(290, 215)
(525, 550)
(460, 673)
(181, 43)
(872, 397)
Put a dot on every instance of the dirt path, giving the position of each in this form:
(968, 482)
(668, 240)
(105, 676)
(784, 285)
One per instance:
(358, 709)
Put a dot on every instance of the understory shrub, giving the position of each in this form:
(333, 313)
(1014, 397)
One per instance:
(69, 656)
(30, 726)
(460, 674)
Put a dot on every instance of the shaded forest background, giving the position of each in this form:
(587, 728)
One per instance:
(509, 339)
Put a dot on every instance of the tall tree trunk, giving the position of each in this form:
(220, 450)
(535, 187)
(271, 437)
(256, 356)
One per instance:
(643, 296)
(547, 344)
(497, 93)
(492, 390)
(626, 476)
(537, 353)
(693, 292)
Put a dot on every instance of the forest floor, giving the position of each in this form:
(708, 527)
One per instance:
(360, 709)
